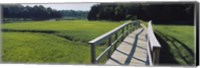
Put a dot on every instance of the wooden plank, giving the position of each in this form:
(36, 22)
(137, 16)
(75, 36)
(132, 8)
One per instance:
(132, 51)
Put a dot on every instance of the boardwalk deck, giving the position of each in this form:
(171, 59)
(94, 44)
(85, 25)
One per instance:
(132, 51)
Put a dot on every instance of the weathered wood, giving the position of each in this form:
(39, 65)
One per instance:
(93, 54)
(156, 53)
(154, 44)
(132, 51)
(149, 55)
(109, 44)
(103, 53)
(115, 45)
(108, 48)
(152, 51)
(130, 28)
(149, 52)
(152, 38)
(122, 34)
(127, 30)
(108, 35)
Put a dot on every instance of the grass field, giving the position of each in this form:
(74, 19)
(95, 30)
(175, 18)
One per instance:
(177, 43)
(52, 41)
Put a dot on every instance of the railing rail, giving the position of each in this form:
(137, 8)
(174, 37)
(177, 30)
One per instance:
(130, 25)
(154, 45)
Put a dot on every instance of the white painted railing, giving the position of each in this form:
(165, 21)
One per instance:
(125, 28)
(154, 45)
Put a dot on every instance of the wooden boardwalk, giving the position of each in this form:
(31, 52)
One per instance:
(132, 51)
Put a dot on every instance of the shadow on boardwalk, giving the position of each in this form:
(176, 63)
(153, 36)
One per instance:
(180, 50)
(125, 54)
(128, 60)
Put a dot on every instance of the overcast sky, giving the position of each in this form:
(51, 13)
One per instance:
(67, 6)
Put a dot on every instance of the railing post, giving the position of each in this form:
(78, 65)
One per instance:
(131, 27)
(116, 36)
(109, 43)
(138, 25)
(127, 30)
(93, 53)
(156, 55)
(134, 25)
(122, 34)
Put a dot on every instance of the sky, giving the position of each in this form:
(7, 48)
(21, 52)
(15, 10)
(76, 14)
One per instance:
(67, 6)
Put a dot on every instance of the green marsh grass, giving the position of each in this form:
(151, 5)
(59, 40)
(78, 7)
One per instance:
(179, 40)
(68, 42)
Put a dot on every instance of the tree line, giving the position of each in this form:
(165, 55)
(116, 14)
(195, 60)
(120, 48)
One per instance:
(74, 14)
(38, 12)
(35, 12)
(144, 11)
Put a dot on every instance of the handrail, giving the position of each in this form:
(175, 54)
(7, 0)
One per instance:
(129, 25)
(149, 56)
(96, 40)
(154, 44)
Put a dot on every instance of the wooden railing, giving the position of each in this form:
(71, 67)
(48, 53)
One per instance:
(154, 46)
(130, 25)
